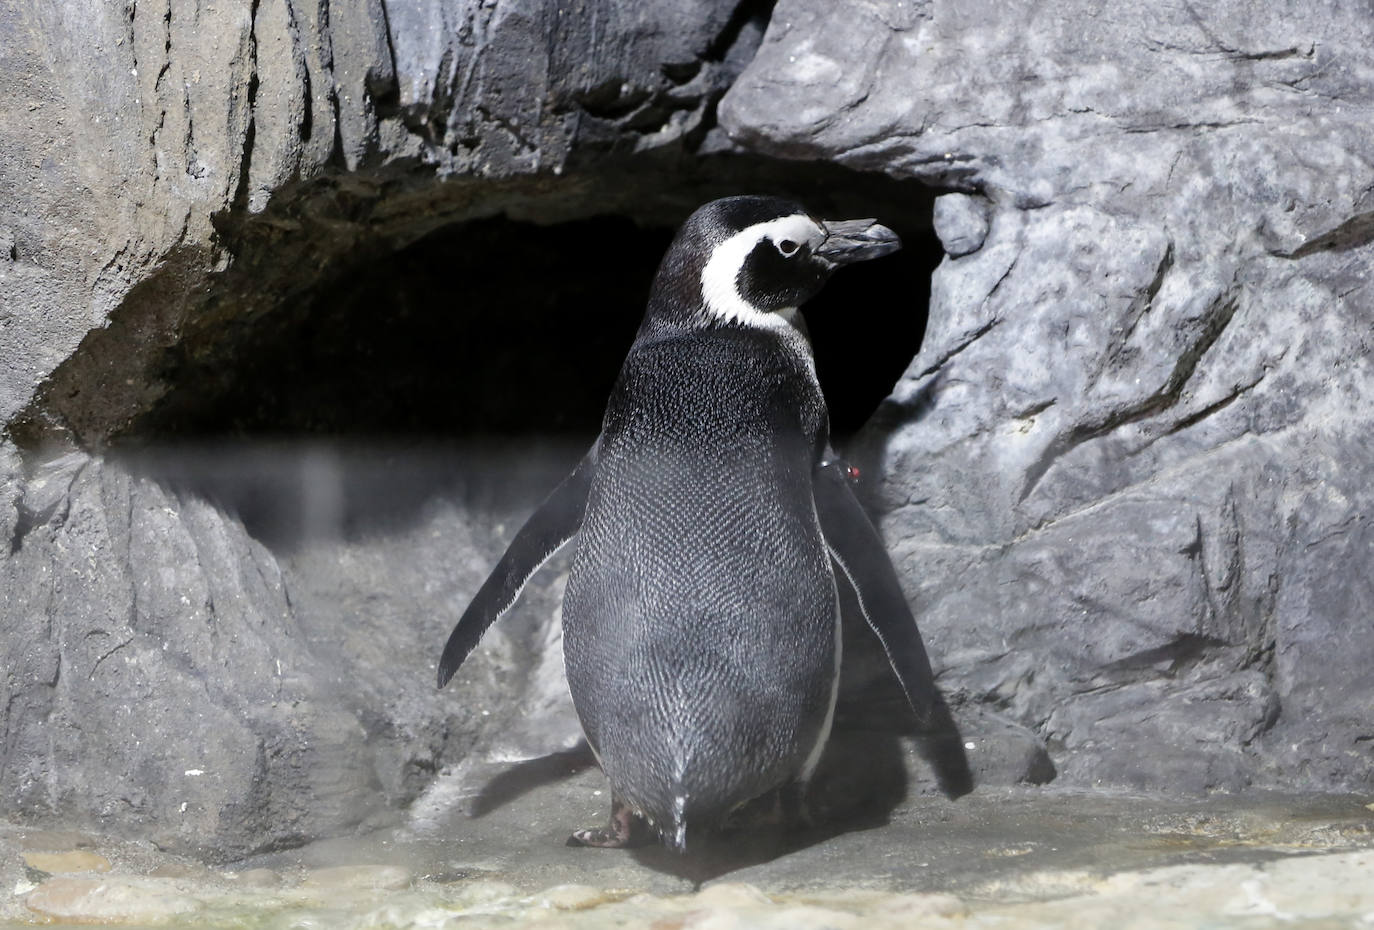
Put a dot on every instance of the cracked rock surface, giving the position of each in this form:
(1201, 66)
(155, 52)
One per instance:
(179, 181)
(1126, 479)
(1128, 475)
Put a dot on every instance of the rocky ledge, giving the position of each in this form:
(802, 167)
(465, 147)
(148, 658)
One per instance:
(1016, 858)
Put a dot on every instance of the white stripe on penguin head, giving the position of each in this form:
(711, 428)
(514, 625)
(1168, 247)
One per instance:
(719, 279)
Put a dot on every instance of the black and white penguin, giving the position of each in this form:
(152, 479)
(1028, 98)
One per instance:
(701, 616)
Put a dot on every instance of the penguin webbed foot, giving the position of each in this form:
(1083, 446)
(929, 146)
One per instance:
(625, 830)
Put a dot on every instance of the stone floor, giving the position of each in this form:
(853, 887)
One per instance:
(1003, 858)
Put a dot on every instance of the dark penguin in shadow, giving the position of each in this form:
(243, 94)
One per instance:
(713, 521)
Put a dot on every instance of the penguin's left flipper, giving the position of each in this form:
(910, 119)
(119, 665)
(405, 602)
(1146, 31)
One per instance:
(556, 521)
(858, 550)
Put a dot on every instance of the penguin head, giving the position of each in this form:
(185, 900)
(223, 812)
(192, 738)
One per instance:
(752, 261)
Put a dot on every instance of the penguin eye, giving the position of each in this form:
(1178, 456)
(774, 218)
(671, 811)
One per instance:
(788, 248)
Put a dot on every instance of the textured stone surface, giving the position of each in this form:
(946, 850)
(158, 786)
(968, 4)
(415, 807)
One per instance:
(160, 671)
(60, 863)
(173, 672)
(961, 222)
(1126, 479)
(1128, 474)
(171, 172)
(146, 138)
(116, 899)
(1008, 858)
(1321, 889)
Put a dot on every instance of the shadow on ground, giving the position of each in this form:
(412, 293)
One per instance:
(861, 779)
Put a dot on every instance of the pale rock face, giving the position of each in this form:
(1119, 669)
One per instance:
(1126, 480)
(1128, 472)
(961, 222)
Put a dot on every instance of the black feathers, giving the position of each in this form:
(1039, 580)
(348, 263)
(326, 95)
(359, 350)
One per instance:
(700, 619)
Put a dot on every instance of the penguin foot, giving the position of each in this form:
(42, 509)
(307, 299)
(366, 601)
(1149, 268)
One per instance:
(625, 830)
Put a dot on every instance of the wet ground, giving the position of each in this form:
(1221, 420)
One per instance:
(998, 857)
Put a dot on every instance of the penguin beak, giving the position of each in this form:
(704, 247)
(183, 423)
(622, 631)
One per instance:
(848, 241)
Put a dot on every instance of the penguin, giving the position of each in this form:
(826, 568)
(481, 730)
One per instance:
(714, 523)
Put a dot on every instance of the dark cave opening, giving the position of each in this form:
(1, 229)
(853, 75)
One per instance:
(340, 396)
(503, 328)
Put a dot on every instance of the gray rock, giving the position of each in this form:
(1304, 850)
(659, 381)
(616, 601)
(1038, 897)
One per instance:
(1126, 480)
(165, 669)
(1103, 470)
(179, 127)
(178, 672)
(159, 677)
(10, 490)
(961, 222)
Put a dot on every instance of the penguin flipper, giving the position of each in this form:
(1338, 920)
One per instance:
(858, 550)
(552, 524)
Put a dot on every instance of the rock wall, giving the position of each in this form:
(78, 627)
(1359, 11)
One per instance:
(1128, 473)
(1126, 478)
(178, 180)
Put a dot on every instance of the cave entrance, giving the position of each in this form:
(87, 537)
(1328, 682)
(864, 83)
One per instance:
(501, 327)
(498, 333)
